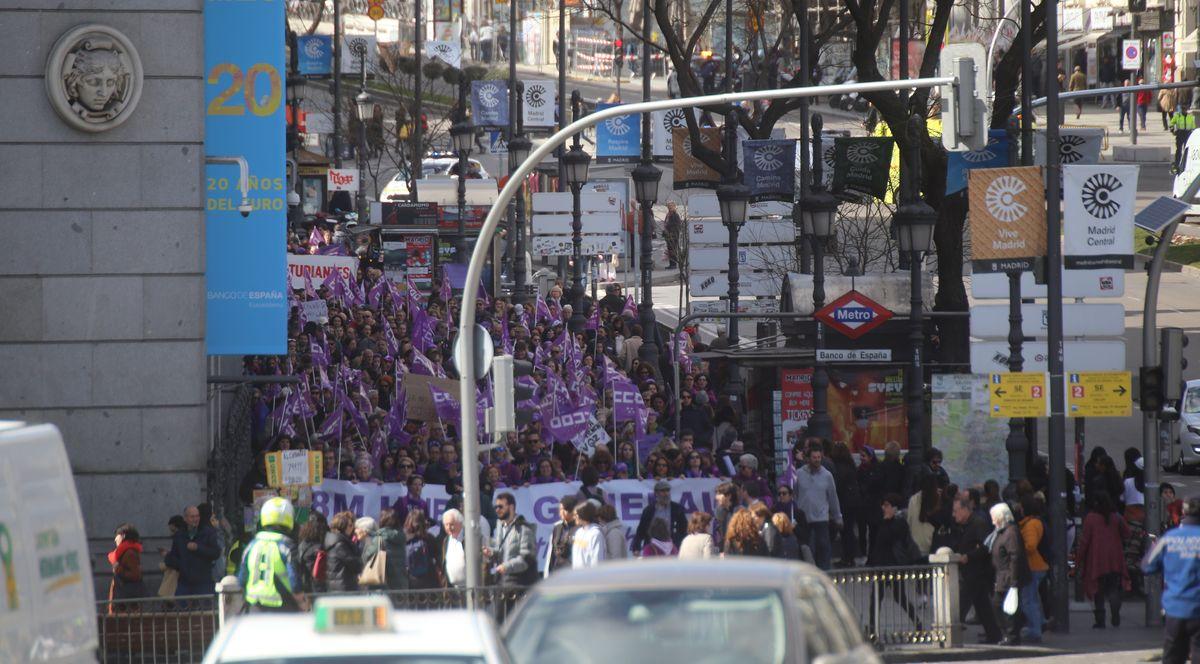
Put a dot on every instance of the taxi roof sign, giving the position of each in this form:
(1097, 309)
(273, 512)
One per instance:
(352, 615)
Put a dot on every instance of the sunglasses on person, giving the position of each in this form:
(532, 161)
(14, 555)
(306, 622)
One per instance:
(407, 466)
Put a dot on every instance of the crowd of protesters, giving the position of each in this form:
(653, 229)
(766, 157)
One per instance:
(832, 505)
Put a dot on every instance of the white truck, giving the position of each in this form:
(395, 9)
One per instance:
(47, 603)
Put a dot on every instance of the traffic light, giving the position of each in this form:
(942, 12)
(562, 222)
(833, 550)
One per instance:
(1171, 345)
(964, 109)
(512, 394)
(618, 54)
(1150, 388)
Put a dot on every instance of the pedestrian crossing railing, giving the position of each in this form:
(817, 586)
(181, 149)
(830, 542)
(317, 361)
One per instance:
(156, 630)
(904, 607)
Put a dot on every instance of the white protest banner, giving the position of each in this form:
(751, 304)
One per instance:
(315, 310)
(537, 503)
(318, 268)
(537, 103)
(343, 179)
(1098, 218)
(589, 438)
(294, 469)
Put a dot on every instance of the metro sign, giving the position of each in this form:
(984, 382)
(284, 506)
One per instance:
(853, 314)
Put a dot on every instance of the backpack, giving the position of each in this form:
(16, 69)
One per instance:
(1043, 546)
(417, 553)
(320, 566)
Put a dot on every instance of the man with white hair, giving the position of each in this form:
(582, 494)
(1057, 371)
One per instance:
(454, 556)
(1012, 569)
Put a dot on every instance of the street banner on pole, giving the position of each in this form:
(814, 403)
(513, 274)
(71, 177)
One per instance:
(618, 139)
(1008, 218)
(343, 179)
(769, 169)
(315, 55)
(862, 164)
(690, 172)
(245, 264)
(995, 155)
(359, 51)
(1077, 145)
(662, 131)
(537, 103)
(1098, 219)
(489, 103)
(448, 51)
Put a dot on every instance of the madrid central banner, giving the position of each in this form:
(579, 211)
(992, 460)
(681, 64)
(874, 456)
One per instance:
(538, 503)
(245, 265)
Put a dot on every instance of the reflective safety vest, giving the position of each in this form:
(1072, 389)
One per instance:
(264, 564)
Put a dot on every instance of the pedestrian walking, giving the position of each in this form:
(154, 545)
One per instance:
(975, 588)
(1182, 125)
(193, 550)
(268, 574)
(699, 542)
(1143, 104)
(126, 562)
(1078, 82)
(659, 542)
(893, 546)
(1033, 532)
(1166, 106)
(1100, 558)
(587, 549)
(770, 534)
(1174, 556)
(1012, 570)
(662, 508)
(614, 533)
(390, 539)
(742, 537)
(816, 496)
(310, 556)
(1123, 100)
(420, 552)
(562, 536)
(343, 562)
(513, 550)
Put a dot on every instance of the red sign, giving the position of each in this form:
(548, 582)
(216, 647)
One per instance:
(853, 314)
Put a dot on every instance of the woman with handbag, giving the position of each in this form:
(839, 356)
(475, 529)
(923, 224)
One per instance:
(373, 574)
(1012, 572)
(126, 561)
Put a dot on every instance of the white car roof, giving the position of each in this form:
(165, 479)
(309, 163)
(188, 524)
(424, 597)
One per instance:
(257, 637)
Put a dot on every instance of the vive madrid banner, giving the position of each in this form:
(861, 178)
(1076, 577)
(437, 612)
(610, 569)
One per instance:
(618, 139)
(1098, 219)
(770, 169)
(489, 103)
(245, 264)
(538, 503)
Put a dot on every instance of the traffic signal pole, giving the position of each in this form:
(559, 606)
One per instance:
(479, 255)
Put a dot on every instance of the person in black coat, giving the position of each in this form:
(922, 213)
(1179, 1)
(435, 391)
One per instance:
(312, 539)
(893, 547)
(193, 550)
(663, 505)
(694, 418)
(975, 564)
(343, 562)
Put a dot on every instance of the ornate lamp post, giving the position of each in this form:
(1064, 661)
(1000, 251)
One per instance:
(575, 167)
(363, 105)
(462, 136)
(645, 184)
(734, 198)
(818, 210)
(518, 151)
(915, 220)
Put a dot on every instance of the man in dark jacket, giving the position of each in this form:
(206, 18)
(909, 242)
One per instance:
(562, 536)
(612, 302)
(193, 550)
(695, 418)
(343, 562)
(975, 587)
(662, 508)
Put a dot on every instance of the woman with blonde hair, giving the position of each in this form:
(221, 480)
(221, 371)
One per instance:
(699, 541)
(742, 537)
(789, 546)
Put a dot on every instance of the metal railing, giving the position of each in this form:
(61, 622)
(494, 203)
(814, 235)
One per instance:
(155, 630)
(911, 606)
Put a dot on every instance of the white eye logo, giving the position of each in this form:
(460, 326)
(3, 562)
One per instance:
(313, 48)
(1069, 148)
(674, 119)
(358, 47)
(489, 96)
(1097, 195)
(443, 49)
(535, 95)
(618, 126)
(1001, 198)
(767, 157)
(979, 156)
(862, 153)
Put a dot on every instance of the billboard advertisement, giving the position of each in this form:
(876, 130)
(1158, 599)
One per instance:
(866, 406)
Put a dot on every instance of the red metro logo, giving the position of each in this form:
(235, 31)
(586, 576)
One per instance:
(853, 314)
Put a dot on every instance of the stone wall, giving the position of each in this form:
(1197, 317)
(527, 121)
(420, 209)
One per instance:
(101, 269)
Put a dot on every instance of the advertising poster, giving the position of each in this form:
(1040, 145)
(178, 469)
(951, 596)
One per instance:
(618, 139)
(406, 213)
(418, 261)
(489, 103)
(971, 441)
(1008, 217)
(690, 172)
(866, 406)
(245, 257)
(473, 218)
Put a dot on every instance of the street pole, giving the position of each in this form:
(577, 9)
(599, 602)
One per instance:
(295, 80)
(1133, 127)
(513, 109)
(361, 152)
(562, 85)
(577, 318)
(463, 249)
(1016, 443)
(418, 149)
(519, 239)
(1057, 433)
(337, 83)
(915, 400)
(648, 353)
(1026, 84)
(820, 424)
(619, 56)
(805, 164)
(730, 176)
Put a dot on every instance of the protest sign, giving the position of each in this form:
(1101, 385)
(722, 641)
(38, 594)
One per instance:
(318, 268)
(294, 468)
(420, 401)
(315, 310)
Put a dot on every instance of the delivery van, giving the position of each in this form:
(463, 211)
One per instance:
(47, 603)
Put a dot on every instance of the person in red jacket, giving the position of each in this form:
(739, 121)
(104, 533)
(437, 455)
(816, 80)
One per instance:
(1101, 558)
(1143, 103)
(126, 561)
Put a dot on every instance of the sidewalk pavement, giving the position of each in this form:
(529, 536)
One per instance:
(1133, 641)
(657, 83)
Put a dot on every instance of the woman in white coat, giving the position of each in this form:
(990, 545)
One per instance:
(699, 542)
(616, 547)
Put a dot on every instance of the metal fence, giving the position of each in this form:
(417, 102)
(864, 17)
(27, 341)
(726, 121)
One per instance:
(156, 630)
(913, 606)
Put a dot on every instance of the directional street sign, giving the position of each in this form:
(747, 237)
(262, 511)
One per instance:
(1086, 355)
(1018, 394)
(853, 314)
(1100, 394)
(1080, 319)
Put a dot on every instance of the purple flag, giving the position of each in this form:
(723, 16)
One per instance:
(337, 249)
(630, 307)
(393, 345)
(684, 360)
(398, 413)
(593, 321)
(566, 425)
(422, 330)
(414, 296)
(320, 357)
(376, 292)
(627, 401)
(309, 291)
(444, 403)
(315, 238)
(356, 416)
(543, 311)
(331, 429)
(645, 445)
(444, 292)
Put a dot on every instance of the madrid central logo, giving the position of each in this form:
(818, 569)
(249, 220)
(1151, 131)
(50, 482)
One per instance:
(535, 95)
(1097, 195)
(1001, 198)
(674, 119)
(313, 48)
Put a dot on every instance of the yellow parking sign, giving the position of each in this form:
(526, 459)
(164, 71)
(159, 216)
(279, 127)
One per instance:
(1100, 394)
(1018, 394)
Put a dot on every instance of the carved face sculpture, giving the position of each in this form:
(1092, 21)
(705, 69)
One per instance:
(96, 78)
(93, 77)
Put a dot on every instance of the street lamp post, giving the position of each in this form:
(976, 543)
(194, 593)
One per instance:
(915, 220)
(462, 135)
(575, 165)
(646, 178)
(337, 83)
(362, 106)
(418, 149)
(818, 209)
(518, 151)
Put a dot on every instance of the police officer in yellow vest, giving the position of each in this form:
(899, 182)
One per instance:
(268, 572)
(1182, 124)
